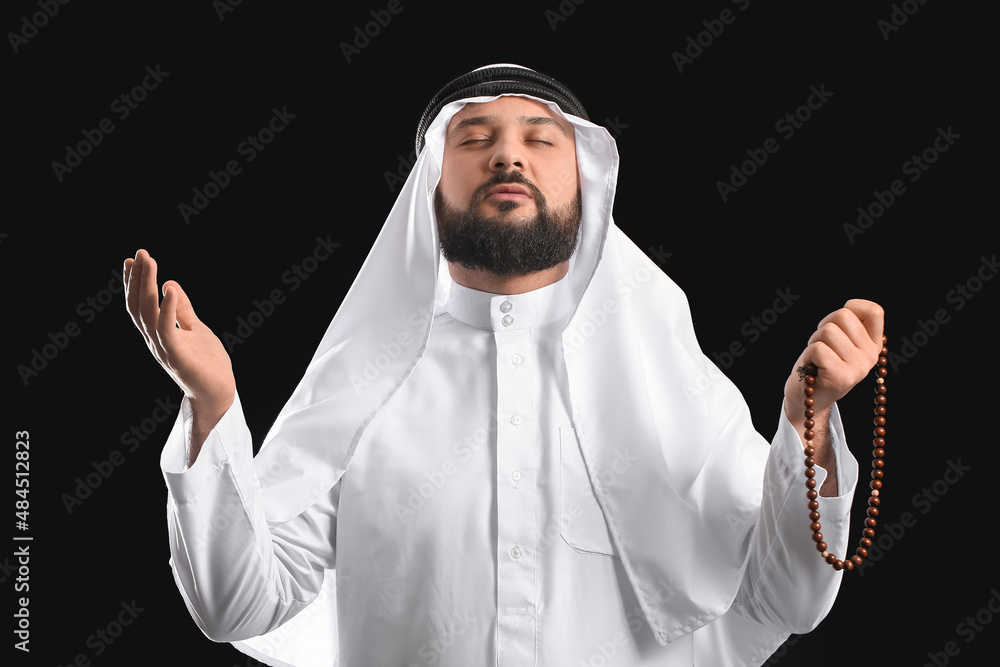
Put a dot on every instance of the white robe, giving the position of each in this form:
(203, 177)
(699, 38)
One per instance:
(707, 524)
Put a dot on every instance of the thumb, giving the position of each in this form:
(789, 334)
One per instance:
(177, 307)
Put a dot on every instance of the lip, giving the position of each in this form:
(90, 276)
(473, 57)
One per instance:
(508, 192)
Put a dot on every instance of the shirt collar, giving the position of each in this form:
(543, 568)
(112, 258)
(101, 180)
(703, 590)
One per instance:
(510, 312)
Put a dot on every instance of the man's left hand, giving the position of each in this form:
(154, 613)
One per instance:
(844, 348)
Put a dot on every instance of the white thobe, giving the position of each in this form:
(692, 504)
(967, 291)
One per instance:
(466, 530)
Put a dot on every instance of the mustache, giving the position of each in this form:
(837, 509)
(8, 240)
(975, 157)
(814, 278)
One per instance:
(504, 178)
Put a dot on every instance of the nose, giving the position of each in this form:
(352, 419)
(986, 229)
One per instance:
(506, 155)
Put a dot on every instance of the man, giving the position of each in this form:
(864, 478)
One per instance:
(517, 456)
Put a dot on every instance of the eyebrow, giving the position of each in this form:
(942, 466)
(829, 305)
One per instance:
(494, 120)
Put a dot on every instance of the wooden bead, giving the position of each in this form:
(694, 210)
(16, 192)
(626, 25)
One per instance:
(862, 552)
(809, 450)
(865, 542)
(815, 526)
(868, 532)
(872, 511)
(877, 474)
(856, 560)
(810, 380)
(814, 516)
(809, 423)
(849, 565)
(810, 483)
(811, 494)
(879, 421)
(875, 484)
(817, 537)
(878, 453)
(813, 505)
(809, 413)
(810, 472)
(821, 547)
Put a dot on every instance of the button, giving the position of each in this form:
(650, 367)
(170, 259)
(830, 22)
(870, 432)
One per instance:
(507, 320)
(516, 475)
(506, 306)
(516, 359)
(516, 553)
(516, 420)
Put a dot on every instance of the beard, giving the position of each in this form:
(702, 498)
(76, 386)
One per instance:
(501, 244)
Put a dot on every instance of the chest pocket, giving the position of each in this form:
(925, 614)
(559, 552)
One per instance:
(583, 524)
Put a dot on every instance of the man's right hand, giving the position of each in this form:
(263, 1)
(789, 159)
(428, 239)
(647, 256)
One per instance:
(187, 349)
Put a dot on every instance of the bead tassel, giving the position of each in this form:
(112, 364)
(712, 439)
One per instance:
(878, 453)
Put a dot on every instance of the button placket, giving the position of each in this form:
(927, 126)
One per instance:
(516, 487)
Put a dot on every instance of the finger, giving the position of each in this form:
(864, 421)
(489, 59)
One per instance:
(847, 320)
(149, 302)
(871, 315)
(835, 339)
(184, 311)
(132, 288)
(166, 325)
(830, 375)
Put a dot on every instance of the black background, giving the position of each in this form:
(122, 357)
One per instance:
(325, 176)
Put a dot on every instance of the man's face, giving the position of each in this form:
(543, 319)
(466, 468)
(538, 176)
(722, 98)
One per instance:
(508, 200)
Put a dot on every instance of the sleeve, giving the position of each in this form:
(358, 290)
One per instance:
(239, 574)
(787, 588)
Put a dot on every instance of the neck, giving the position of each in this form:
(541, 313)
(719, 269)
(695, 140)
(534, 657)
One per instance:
(484, 281)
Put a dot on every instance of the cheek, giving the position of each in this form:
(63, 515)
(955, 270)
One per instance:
(562, 182)
(455, 184)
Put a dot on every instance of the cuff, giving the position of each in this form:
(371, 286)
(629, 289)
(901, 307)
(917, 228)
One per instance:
(228, 443)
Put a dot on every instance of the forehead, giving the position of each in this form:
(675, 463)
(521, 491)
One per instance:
(510, 108)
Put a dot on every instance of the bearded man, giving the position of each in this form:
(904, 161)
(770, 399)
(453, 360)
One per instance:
(495, 456)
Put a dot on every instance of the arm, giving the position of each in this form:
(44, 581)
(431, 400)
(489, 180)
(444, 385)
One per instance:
(787, 586)
(240, 575)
